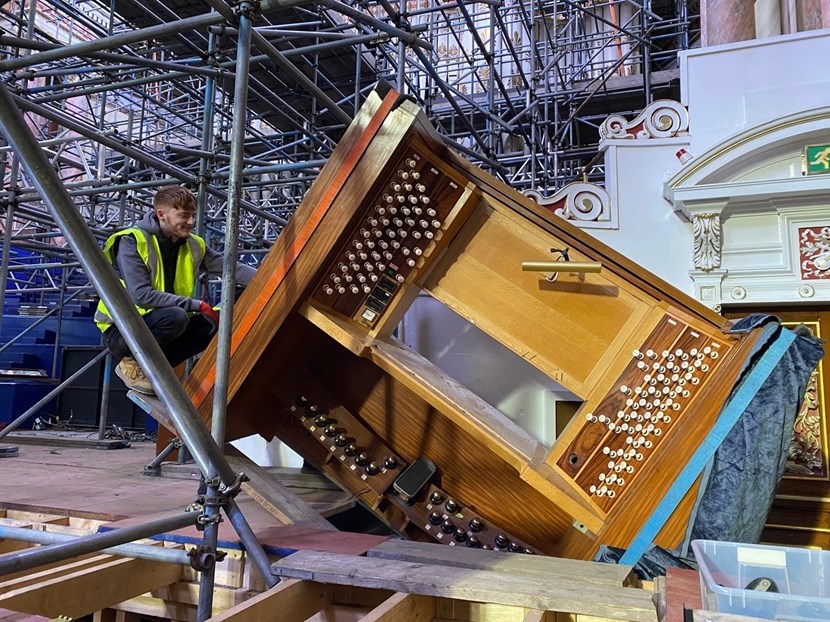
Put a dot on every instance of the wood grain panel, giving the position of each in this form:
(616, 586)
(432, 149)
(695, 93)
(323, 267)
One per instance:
(468, 469)
(641, 280)
(658, 413)
(562, 328)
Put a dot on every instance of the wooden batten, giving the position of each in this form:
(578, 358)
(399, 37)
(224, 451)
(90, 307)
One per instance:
(286, 507)
(86, 587)
(295, 600)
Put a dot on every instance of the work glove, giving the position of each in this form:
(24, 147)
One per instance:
(209, 311)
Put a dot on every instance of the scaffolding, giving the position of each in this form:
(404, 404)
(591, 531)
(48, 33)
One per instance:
(128, 95)
(125, 96)
(102, 102)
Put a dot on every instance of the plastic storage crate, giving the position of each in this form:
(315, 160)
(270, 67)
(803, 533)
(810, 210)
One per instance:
(801, 577)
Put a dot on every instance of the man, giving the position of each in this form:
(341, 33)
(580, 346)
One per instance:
(158, 262)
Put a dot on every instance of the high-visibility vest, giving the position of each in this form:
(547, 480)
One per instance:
(187, 263)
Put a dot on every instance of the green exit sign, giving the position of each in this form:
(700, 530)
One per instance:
(816, 159)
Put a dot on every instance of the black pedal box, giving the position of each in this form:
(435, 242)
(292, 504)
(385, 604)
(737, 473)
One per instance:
(409, 483)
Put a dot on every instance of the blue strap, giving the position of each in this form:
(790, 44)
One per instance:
(733, 409)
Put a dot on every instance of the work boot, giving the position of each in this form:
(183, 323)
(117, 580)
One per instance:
(133, 376)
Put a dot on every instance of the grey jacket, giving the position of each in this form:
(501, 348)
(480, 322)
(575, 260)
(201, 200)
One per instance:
(136, 275)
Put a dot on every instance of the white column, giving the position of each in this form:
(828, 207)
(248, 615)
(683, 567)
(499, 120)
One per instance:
(767, 18)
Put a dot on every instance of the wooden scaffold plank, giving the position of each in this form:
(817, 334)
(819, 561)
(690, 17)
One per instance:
(572, 595)
(538, 565)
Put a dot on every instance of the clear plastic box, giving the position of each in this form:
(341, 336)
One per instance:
(801, 577)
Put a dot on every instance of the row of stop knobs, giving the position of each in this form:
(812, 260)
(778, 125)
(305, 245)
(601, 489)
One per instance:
(474, 526)
(342, 440)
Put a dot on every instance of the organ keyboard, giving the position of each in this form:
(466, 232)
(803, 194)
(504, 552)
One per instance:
(314, 361)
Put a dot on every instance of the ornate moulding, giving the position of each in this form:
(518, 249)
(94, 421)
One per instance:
(760, 230)
(663, 118)
(707, 234)
(808, 457)
(814, 252)
(584, 204)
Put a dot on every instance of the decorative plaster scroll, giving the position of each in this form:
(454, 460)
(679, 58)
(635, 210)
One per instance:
(662, 118)
(578, 201)
(707, 241)
(814, 253)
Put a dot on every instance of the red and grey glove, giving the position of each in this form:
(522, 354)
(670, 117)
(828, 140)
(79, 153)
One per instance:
(209, 311)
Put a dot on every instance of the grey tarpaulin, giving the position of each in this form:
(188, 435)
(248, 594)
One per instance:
(739, 484)
(739, 487)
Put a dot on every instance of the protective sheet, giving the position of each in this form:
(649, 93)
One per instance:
(652, 564)
(739, 484)
(749, 464)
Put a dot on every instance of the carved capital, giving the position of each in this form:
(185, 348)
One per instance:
(707, 235)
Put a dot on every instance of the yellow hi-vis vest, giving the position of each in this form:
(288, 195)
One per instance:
(187, 263)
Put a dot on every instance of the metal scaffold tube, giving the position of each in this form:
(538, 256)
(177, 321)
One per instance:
(18, 561)
(110, 43)
(193, 432)
(207, 140)
(131, 151)
(135, 551)
(223, 349)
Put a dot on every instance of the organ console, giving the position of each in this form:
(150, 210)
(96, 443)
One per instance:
(314, 360)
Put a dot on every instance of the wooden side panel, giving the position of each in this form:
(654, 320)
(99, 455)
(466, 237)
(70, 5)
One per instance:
(88, 589)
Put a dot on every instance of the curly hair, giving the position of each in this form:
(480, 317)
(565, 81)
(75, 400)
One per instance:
(177, 197)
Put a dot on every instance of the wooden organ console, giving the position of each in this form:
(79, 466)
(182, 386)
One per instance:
(314, 359)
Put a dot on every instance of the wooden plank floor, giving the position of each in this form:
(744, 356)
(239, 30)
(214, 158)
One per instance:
(82, 481)
(110, 485)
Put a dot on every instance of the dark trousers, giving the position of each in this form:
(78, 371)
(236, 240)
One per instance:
(179, 334)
